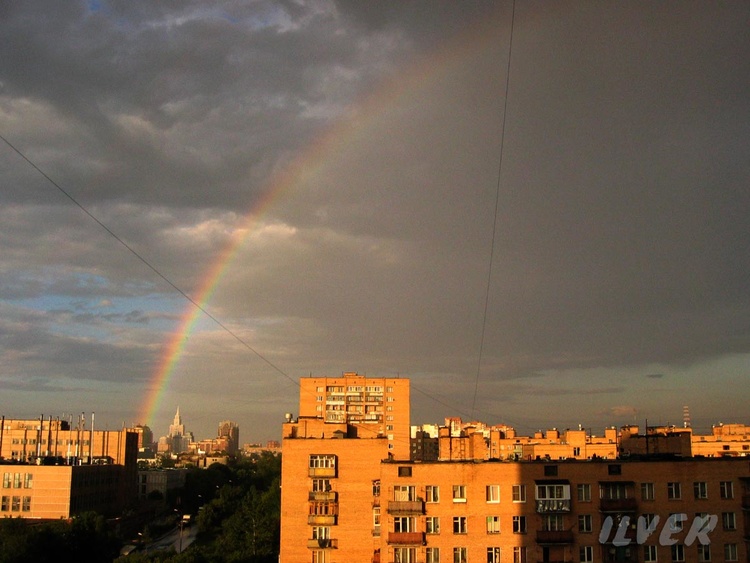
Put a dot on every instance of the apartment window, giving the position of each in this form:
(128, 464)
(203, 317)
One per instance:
(728, 521)
(519, 493)
(492, 493)
(674, 491)
(584, 492)
(28, 480)
(614, 469)
(459, 524)
(493, 524)
(647, 491)
(322, 461)
(700, 490)
(404, 493)
(576, 451)
(5, 504)
(376, 517)
(519, 524)
(404, 555)
(552, 492)
(319, 556)
(553, 522)
(432, 555)
(404, 471)
(432, 492)
(459, 493)
(376, 488)
(432, 525)
(493, 555)
(586, 554)
(675, 522)
(16, 480)
(519, 554)
(613, 491)
(678, 552)
(6, 480)
(321, 485)
(404, 524)
(585, 523)
(26, 504)
(459, 555)
(649, 519)
(649, 553)
(704, 552)
(321, 532)
(726, 490)
(15, 504)
(730, 552)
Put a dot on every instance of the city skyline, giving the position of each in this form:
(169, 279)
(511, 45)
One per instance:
(324, 181)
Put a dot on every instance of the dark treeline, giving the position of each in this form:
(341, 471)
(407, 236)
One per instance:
(237, 509)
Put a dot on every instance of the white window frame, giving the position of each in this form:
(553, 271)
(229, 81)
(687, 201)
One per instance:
(586, 554)
(492, 494)
(493, 524)
(432, 494)
(518, 493)
(459, 493)
(432, 524)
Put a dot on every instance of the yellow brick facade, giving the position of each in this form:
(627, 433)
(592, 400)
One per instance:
(346, 498)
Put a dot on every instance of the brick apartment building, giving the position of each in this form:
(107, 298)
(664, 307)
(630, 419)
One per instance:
(351, 493)
(51, 470)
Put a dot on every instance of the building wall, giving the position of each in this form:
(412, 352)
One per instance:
(375, 405)
(357, 467)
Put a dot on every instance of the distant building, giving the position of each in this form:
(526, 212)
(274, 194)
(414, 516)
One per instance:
(229, 432)
(178, 440)
(51, 469)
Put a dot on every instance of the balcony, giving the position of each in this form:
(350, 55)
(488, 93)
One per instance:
(324, 496)
(406, 538)
(553, 505)
(323, 543)
(406, 507)
(618, 505)
(551, 537)
(322, 519)
(321, 472)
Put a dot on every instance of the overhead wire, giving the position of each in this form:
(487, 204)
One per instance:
(148, 264)
(497, 204)
(232, 333)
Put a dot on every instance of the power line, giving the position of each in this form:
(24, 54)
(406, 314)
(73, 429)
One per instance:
(497, 201)
(148, 264)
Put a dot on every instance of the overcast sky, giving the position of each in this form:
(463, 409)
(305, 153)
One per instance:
(359, 149)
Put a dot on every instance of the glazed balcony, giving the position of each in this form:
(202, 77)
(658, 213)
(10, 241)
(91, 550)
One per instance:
(321, 472)
(323, 543)
(406, 507)
(618, 505)
(323, 496)
(406, 538)
(322, 519)
(553, 505)
(552, 537)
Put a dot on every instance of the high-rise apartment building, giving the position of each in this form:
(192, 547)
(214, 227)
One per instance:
(377, 407)
(350, 495)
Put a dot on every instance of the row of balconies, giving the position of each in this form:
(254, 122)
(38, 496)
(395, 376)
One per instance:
(542, 506)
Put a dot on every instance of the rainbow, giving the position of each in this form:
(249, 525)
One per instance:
(320, 152)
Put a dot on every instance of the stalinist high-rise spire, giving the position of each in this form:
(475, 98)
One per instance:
(177, 428)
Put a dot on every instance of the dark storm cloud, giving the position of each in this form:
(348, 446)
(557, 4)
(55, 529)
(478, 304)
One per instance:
(621, 229)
